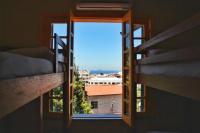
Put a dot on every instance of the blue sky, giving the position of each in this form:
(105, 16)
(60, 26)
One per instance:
(98, 46)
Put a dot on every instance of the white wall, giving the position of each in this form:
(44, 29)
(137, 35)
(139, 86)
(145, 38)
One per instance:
(105, 103)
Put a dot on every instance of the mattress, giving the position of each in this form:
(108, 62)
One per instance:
(14, 65)
(180, 69)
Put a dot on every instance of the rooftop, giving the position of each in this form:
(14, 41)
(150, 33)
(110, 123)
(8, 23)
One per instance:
(105, 79)
(102, 90)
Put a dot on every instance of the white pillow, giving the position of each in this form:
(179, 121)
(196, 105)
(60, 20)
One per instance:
(38, 52)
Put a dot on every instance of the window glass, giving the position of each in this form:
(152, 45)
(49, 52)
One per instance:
(137, 42)
(57, 92)
(126, 92)
(138, 32)
(126, 108)
(138, 35)
(138, 56)
(60, 29)
(56, 100)
(140, 98)
(94, 104)
(56, 105)
(140, 105)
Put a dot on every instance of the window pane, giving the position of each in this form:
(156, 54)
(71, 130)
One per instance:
(127, 45)
(126, 60)
(137, 42)
(71, 76)
(126, 92)
(140, 90)
(56, 105)
(126, 77)
(59, 47)
(138, 56)
(71, 60)
(94, 104)
(57, 92)
(126, 109)
(60, 29)
(138, 32)
(140, 105)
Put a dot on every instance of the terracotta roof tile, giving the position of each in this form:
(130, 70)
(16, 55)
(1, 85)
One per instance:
(99, 90)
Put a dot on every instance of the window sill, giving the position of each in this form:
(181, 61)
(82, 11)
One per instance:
(96, 117)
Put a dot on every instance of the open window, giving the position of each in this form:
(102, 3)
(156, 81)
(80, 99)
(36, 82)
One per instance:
(58, 102)
(68, 91)
(128, 85)
(133, 95)
(141, 33)
(140, 98)
(61, 30)
(134, 33)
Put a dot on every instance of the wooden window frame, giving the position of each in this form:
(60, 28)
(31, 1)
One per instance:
(46, 41)
(146, 23)
(64, 19)
(51, 97)
(142, 98)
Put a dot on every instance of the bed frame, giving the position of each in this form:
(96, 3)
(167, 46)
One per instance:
(14, 93)
(177, 48)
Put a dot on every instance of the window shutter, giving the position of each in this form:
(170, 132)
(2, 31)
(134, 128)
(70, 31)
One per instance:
(128, 72)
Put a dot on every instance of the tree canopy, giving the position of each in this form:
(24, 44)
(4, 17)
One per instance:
(80, 103)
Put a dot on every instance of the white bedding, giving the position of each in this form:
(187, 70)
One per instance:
(180, 69)
(16, 63)
(37, 52)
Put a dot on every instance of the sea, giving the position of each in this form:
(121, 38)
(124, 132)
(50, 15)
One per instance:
(103, 71)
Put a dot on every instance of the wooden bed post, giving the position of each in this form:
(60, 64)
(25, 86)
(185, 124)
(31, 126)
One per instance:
(41, 115)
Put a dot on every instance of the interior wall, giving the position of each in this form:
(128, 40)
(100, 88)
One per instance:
(88, 126)
(23, 20)
(165, 14)
(165, 112)
(21, 28)
(169, 112)
(99, 126)
(24, 120)
(1, 21)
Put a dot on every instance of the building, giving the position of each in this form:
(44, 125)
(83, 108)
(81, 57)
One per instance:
(104, 80)
(105, 99)
(84, 74)
(168, 70)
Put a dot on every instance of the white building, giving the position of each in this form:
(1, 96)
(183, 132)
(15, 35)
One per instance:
(104, 81)
(84, 74)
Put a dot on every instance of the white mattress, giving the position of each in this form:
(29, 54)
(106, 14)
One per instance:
(14, 65)
(180, 69)
(36, 52)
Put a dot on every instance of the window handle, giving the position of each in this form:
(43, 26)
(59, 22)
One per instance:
(124, 35)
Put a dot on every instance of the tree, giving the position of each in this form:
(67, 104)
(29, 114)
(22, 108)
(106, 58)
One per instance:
(80, 103)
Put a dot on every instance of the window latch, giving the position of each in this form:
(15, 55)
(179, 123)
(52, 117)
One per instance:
(124, 35)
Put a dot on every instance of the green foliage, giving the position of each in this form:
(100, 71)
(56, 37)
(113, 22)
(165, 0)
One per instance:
(80, 103)
(58, 92)
(56, 103)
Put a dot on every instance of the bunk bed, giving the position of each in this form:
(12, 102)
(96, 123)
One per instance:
(27, 74)
(171, 59)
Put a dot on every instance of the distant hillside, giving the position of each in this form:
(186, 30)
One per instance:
(103, 71)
